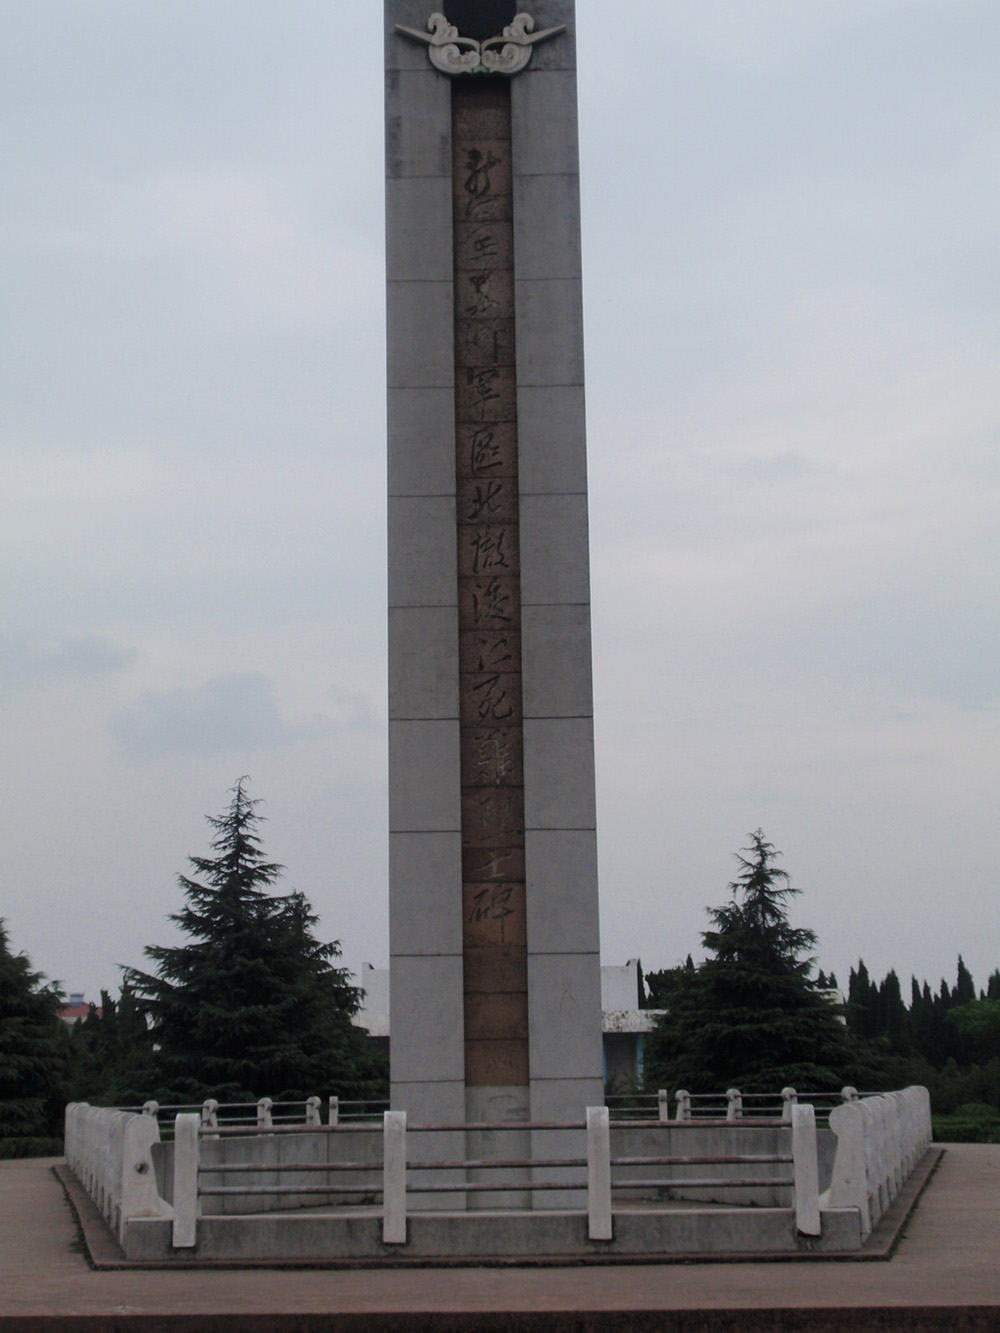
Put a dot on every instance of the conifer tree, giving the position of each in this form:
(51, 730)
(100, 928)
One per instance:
(33, 1045)
(750, 1015)
(252, 1004)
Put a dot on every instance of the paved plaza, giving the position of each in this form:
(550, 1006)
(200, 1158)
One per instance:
(944, 1274)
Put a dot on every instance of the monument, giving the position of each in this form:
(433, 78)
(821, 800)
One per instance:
(494, 949)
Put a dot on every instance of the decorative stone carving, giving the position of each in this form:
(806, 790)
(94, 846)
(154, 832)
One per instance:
(451, 53)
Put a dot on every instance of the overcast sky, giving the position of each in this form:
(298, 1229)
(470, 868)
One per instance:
(791, 293)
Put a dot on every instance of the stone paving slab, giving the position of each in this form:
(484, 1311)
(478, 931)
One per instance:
(944, 1275)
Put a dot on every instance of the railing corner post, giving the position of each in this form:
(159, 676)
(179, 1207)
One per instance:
(805, 1168)
(600, 1226)
(186, 1128)
(394, 1178)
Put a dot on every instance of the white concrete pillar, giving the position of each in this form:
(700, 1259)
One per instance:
(186, 1180)
(734, 1104)
(312, 1111)
(599, 1173)
(805, 1167)
(849, 1181)
(334, 1111)
(264, 1119)
(394, 1178)
(683, 1104)
(663, 1103)
(140, 1196)
(788, 1099)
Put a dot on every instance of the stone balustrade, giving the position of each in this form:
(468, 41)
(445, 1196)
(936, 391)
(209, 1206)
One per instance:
(110, 1152)
(879, 1141)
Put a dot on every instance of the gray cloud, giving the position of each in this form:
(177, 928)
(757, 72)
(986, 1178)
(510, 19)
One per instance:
(22, 667)
(230, 714)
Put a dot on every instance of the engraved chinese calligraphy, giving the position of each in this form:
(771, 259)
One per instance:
(489, 597)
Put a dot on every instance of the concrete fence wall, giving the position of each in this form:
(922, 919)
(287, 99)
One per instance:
(719, 1139)
(275, 1157)
(111, 1154)
(879, 1142)
(212, 1175)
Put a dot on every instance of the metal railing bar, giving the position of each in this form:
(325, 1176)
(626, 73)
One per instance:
(748, 1160)
(758, 1122)
(676, 1182)
(247, 1168)
(248, 1190)
(495, 1187)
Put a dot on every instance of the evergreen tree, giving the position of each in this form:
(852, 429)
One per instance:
(862, 1003)
(111, 1053)
(965, 988)
(33, 1046)
(253, 1003)
(659, 985)
(749, 1015)
(893, 1019)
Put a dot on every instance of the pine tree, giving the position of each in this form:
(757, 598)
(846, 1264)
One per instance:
(33, 1047)
(750, 1015)
(253, 1004)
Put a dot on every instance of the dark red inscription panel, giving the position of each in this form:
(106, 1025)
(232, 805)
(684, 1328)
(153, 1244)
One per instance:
(489, 589)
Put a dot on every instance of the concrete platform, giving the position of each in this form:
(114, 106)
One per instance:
(943, 1275)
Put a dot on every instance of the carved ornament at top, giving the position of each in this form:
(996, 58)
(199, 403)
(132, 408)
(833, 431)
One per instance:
(507, 53)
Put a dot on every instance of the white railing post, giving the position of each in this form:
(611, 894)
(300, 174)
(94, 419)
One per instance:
(788, 1099)
(394, 1178)
(805, 1168)
(210, 1114)
(599, 1173)
(849, 1179)
(683, 1098)
(264, 1118)
(312, 1111)
(186, 1180)
(140, 1196)
(151, 1108)
(663, 1103)
(334, 1115)
(734, 1104)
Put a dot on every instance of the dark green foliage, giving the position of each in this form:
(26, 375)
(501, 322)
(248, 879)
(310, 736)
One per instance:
(659, 985)
(965, 990)
(111, 1053)
(33, 1043)
(750, 1015)
(30, 1147)
(252, 1004)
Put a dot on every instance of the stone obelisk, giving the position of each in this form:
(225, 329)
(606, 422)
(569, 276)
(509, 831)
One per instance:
(495, 975)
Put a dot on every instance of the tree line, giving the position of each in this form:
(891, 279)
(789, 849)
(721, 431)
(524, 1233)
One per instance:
(754, 1015)
(252, 1003)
